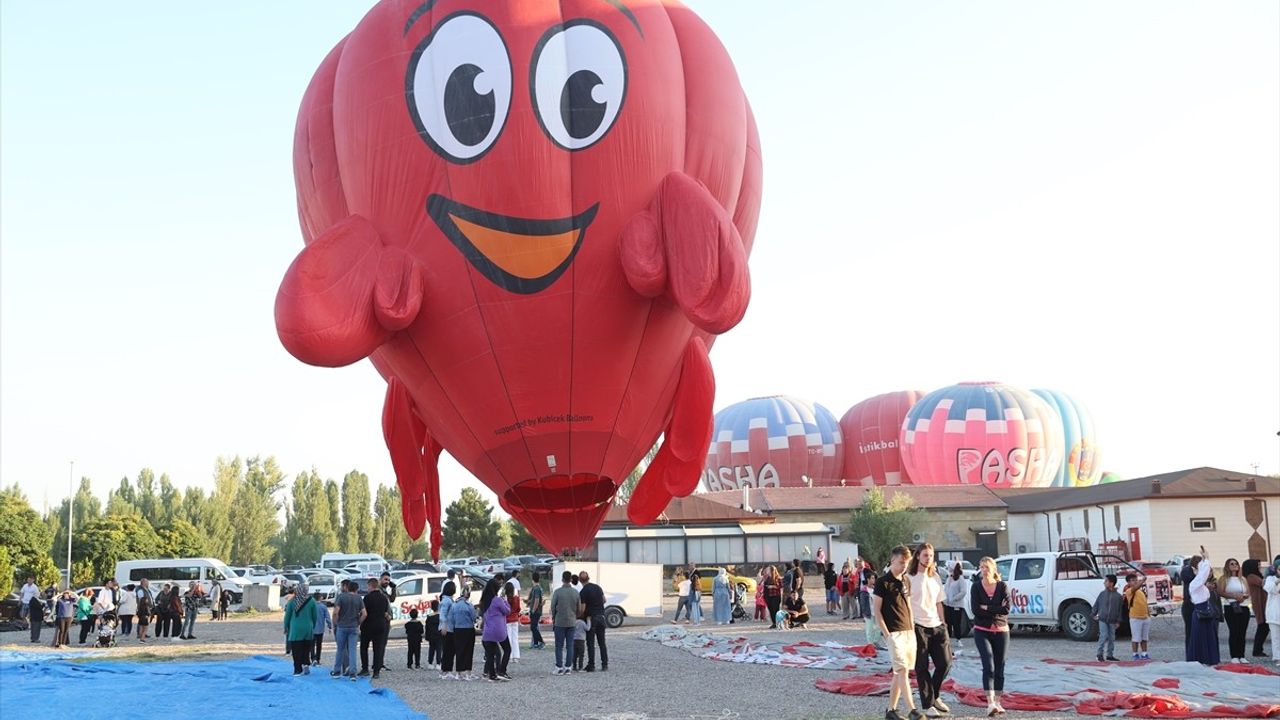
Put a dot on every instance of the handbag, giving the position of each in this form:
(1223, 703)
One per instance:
(1207, 611)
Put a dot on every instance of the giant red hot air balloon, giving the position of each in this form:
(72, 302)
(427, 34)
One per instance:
(870, 430)
(982, 433)
(775, 441)
(532, 216)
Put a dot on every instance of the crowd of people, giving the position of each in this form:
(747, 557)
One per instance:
(112, 612)
(1243, 590)
(450, 626)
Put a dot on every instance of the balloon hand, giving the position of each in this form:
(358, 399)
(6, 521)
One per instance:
(686, 244)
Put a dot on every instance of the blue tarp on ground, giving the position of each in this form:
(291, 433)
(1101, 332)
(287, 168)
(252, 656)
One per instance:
(53, 686)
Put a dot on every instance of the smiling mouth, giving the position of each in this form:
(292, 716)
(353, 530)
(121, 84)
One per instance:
(521, 255)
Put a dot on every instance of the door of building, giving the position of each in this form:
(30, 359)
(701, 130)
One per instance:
(1135, 545)
(987, 544)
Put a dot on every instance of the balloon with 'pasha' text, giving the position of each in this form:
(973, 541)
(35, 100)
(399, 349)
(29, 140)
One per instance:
(775, 441)
(982, 433)
(1081, 463)
(870, 431)
(533, 217)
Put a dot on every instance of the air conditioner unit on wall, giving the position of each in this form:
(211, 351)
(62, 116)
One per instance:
(917, 537)
(1022, 548)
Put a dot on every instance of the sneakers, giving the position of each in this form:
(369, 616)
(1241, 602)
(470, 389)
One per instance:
(335, 674)
(306, 669)
(504, 678)
(1146, 656)
(1113, 658)
(589, 668)
(915, 714)
(892, 714)
(375, 676)
(941, 706)
(1099, 658)
(558, 670)
(1137, 656)
(932, 712)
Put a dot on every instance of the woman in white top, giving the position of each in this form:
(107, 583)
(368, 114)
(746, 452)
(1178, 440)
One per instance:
(955, 603)
(1234, 593)
(1272, 589)
(932, 642)
(1204, 619)
(128, 608)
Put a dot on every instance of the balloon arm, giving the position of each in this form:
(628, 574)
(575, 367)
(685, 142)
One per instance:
(414, 456)
(345, 294)
(686, 244)
(677, 467)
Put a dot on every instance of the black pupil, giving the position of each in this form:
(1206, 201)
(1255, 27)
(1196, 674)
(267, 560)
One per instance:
(582, 115)
(470, 115)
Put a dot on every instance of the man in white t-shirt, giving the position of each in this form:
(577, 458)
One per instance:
(30, 591)
(932, 642)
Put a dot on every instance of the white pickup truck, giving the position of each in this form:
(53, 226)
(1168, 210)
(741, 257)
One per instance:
(1055, 591)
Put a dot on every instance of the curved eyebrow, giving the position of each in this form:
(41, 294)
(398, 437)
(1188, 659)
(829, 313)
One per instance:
(421, 10)
(425, 8)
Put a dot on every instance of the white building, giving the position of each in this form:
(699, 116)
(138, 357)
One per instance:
(1231, 514)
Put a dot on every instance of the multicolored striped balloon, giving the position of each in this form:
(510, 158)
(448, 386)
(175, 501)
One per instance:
(774, 441)
(1082, 465)
(982, 433)
(870, 431)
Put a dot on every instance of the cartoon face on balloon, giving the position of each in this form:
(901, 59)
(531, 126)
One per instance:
(533, 217)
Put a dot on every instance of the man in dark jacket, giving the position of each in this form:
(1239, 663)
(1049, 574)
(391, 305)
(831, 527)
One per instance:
(1186, 575)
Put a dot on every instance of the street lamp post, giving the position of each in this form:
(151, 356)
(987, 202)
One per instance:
(71, 514)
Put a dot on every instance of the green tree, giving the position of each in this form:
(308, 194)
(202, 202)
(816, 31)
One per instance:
(105, 541)
(418, 550)
(228, 475)
(878, 525)
(628, 486)
(357, 520)
(147, 494)
(393, 539)
(334, 494)
(7, 571)
(87, 508)
(122, 500)
(253, 513)
(23, 533)
(522, 542)
(181, 539)
(169, 504)
(469, 526)
(193, 506)
(308, 533)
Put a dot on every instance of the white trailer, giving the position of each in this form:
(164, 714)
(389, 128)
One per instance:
(842, 552)
(630, 589)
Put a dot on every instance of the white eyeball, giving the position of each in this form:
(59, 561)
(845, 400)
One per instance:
(578, 82)
(458, 87)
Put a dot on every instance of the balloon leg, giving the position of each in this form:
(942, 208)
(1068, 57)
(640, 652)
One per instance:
(677, 467)
(414, 455)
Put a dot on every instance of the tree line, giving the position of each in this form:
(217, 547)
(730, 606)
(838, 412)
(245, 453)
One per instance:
(238, 521)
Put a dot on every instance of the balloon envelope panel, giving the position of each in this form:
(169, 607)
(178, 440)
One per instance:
(1081, 464)
(982, 433)
(870, 431)
(774, 442)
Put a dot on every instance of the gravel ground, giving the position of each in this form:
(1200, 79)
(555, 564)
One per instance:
(646, 681)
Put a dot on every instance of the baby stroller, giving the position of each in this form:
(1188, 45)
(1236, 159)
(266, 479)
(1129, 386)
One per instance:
(107, 630)
(739, 612)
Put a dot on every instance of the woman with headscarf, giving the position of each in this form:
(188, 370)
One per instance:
(299, 628)
(1252, 570)
(721, 604)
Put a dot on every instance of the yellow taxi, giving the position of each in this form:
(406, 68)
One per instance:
(706, 576)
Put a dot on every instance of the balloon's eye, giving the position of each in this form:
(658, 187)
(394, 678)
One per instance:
(578, 83)
(459, 87)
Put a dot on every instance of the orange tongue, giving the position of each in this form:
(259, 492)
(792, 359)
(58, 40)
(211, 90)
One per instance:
(524, 256)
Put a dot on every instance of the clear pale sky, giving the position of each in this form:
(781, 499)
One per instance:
(1076, 195)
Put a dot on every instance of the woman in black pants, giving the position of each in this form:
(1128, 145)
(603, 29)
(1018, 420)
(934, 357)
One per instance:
(989, 600)
(772, 594)
(1235, 592)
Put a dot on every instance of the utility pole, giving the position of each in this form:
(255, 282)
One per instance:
(71, 514)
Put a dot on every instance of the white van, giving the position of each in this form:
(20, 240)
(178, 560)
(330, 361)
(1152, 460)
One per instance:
(337, 561)
(180, 571)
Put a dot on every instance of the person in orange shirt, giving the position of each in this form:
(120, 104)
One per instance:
(1135, 596)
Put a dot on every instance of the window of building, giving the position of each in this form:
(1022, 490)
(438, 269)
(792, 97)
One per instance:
(671, 552)
(1202, 525)
(613, 550)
